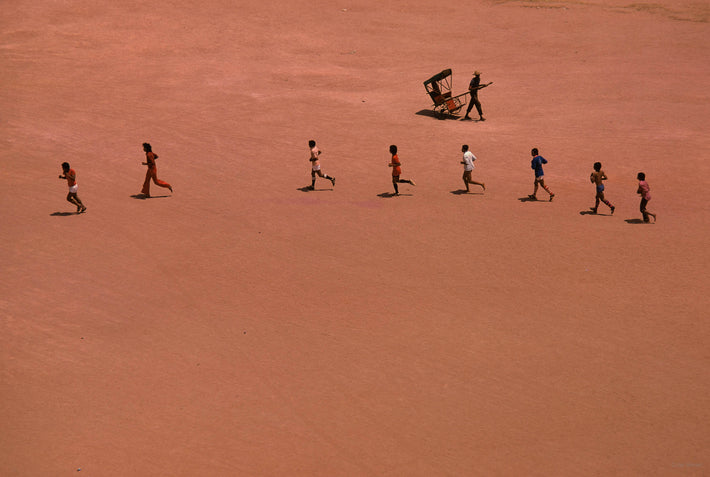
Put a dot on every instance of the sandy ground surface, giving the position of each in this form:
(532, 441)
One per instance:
(242, 326)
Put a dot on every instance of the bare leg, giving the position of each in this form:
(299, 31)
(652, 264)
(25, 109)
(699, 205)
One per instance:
(79, 202)
(324, 176)
(533, 196)
(596, 204)
(74, 199)
(482, 184)
(547, 189)
(606, 202)
(645, 212)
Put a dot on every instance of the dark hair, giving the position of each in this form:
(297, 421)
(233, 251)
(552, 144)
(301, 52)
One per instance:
(597, 166)
(147, 147)
(465, 147)
(311, 143)
(393, 149)
(641, 176)
(534, 151)
(65, 165)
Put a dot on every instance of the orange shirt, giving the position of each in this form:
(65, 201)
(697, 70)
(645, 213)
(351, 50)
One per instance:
(71, 178)
(396, 168)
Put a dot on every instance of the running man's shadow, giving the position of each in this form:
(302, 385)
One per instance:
(387, 195)
(529, 199)
(636, 221)
(589, 212)
(63, 214)
(463, 192)
(144, 197)
(308, 189)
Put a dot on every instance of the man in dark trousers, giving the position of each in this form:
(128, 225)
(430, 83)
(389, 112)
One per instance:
(473, 88)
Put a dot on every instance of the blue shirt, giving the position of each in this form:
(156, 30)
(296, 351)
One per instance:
(537, 163)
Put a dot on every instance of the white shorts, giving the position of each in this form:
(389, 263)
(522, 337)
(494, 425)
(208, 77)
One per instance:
(74, 188)
(315, 168)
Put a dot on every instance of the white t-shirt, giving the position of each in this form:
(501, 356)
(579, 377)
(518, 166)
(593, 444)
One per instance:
(468, 159)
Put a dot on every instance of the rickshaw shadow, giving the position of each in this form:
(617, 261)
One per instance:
(433, 114)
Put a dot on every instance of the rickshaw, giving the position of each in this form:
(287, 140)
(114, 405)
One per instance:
(438, 87)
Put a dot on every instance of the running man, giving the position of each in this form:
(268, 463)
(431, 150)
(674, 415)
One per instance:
(536, 165)
(315, 166)
(645, 192)
(152, 172)
(468, 167)
(70, 175)
(596, 178)
(397, 170)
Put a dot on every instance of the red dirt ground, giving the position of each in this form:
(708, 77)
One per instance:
(241, 326)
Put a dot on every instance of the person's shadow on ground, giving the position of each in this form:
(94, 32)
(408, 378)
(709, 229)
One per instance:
(591, 212)
(387, 195)
(144, 197)
(63, 214)
(465, 192)
(310, 189)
